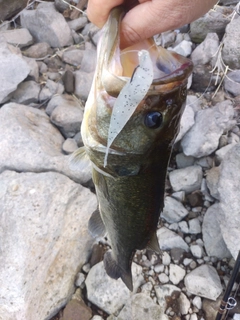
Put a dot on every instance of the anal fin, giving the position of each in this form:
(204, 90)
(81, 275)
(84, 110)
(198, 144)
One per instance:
(96, 226)
(115, 271)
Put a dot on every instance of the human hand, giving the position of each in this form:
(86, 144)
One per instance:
(148, 17)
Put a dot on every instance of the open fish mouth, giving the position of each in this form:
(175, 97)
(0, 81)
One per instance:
(170, 68)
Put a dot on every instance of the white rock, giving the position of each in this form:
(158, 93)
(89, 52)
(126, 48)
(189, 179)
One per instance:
(29, 134)
(194, 226)
(205, 52)
(166, 259)
(168, 240)
(96, 317)
(44, 237)
(203, 137)
(183, 226)
(159, 268)
(13, 70)
(163, 278)
(193, 316)
(176, 273)
(108, 294)
(184, 48)
(184, 304)
(212, 180)
(47, 25)
(196, 250)
(187, 179)
(221, 153)
(197, 302)
(147, 288)
(204, 282)
(173, 210)
(80, 279)
(229, 193)
(140, 307)
(164, 291)
(179, 195)
(186, 122)
(184, 161)
(212, 236)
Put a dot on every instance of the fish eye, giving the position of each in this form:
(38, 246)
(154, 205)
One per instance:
(153, 120)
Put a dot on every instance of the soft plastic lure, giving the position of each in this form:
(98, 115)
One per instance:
(129, 98)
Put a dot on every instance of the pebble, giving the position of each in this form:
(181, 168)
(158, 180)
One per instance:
(187, 179)
(173, 210)
(169, 239)
(166, 259)
(196, 250)
(194, 226)
(198, 283)
(69, 146)
(176, 273)
(163, 278)
(80, 280)
(197, 302)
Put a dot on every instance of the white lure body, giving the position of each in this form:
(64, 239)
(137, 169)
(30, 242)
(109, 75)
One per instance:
(129, 98)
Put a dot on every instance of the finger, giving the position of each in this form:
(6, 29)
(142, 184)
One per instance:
(156, 16)
(98, 10)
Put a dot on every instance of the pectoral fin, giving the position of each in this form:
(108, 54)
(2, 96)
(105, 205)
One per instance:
(96, 226)
(154, 244)
(80, 159)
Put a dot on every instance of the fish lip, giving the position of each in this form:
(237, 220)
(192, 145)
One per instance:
(178, 67)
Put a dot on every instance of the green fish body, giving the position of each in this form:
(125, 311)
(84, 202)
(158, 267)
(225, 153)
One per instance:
(130, 176)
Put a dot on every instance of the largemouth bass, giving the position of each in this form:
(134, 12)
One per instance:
(131, 120)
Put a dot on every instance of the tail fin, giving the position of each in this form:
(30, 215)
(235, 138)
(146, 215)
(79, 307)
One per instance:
(115, 271)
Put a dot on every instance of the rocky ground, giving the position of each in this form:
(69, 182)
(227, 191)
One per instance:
(50, 268)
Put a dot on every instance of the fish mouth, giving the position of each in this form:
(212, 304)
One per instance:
(170, 69)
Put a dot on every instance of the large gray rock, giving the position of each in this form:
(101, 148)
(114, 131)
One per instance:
(10, 8)
(47, 25)
(141, 307)
(212, 237)
(206, 51)
(214, 21)
(13, 70)
(68, 118)
(83, 82)
(186, 122)
(44, 241)
(203, 138)
(31, 143)
(229, 195)
(18, 37)
(232, 82)
(204, 281)
(231, 47)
